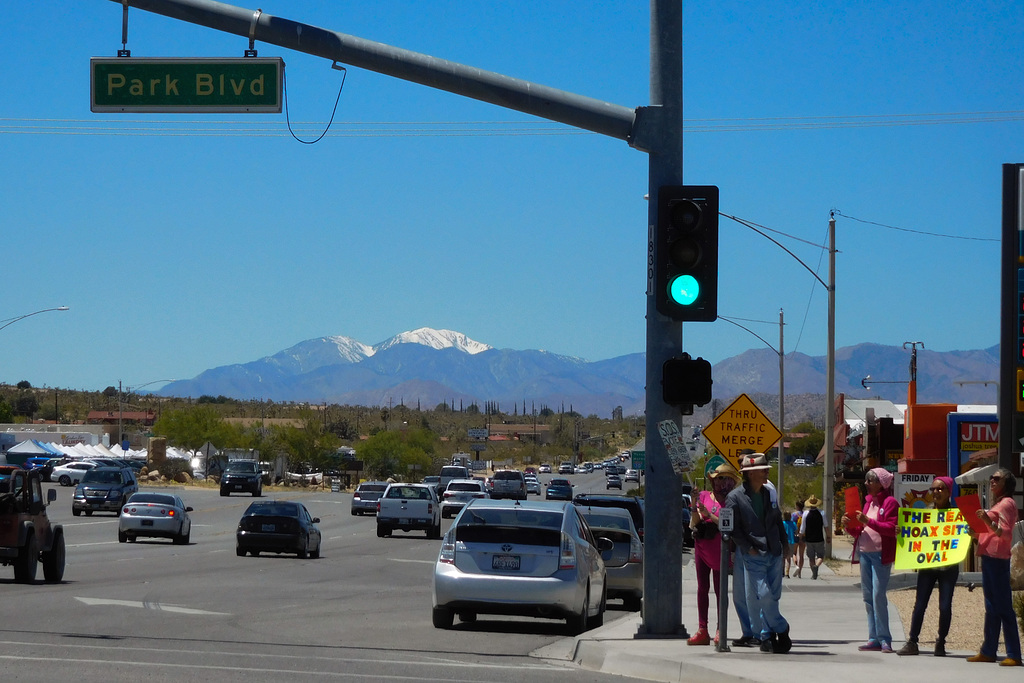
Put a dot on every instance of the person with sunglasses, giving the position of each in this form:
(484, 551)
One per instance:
(941, 490)
(994, 547)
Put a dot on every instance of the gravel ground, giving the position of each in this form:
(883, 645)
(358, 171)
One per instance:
(965, 631)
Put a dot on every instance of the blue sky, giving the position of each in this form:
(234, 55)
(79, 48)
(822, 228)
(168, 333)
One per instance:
(184, 242)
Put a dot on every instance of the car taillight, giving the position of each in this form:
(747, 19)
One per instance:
(447, 494)
(430, 508)
(128, 510)
(170, 513)
(567, 556)
(636, 551)
(447, 555)
(378, 506)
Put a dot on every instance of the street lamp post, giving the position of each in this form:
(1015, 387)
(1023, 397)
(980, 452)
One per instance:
(120, 405)
(11, 321)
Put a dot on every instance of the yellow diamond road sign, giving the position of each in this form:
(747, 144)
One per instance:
(741, 426)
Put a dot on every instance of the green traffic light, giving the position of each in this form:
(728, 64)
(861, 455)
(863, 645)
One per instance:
(684, 290)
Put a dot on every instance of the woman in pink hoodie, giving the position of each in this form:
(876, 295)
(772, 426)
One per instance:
(874, 532)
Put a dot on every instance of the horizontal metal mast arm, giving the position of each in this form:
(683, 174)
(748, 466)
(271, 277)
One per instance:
(512, 93)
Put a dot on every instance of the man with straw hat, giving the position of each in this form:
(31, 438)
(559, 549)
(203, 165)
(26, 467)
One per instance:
(812, 529)
(760, 542)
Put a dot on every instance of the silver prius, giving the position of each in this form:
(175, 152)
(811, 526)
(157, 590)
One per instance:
(536, 558)
(162, 515)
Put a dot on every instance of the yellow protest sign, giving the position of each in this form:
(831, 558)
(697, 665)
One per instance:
(931, 538)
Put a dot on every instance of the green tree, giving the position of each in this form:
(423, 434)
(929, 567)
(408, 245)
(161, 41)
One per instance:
(6, 414)
(397, 452)
(310, 444)
(806, 446)
(191, 427)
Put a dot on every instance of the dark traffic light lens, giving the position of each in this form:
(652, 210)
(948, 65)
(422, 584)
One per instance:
(685, 214)
(684, 253)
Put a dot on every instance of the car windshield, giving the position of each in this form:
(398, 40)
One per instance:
(409, 492)
(515, 525)
(604, 521)
(559, 482)
(273, 510)
(463, 486)
(96, 476)
(241, 467)
(508, 475)
(363, 488)
(158, 498)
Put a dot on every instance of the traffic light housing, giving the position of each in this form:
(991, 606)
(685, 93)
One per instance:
(686, 266)
(686, 382)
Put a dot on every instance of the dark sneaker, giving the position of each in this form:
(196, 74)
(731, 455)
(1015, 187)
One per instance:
(909, 648)
(767, 645)
(783, 644)
(870, 646)
(746, 641)
(940, 649)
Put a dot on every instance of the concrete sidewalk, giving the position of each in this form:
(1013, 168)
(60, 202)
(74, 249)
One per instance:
(827, 623)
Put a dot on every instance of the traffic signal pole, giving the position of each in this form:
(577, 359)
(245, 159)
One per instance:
(656, 129)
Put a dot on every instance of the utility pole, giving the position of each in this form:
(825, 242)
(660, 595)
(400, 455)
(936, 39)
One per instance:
(828, 481)
(655, 129)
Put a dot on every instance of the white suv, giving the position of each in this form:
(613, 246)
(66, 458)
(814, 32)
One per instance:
(460, 492)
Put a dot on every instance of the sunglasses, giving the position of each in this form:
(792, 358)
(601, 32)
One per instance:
(995, 478)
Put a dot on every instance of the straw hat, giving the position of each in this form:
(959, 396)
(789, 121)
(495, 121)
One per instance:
(754, 461)
(725, 470)
(812, 502)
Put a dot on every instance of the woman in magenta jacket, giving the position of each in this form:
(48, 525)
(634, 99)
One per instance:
(874, 532)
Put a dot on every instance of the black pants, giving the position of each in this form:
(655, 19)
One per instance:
(926, 579)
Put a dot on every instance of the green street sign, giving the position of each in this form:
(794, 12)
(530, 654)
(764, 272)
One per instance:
(128, 84)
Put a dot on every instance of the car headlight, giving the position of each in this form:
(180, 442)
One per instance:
(79, 495)
(113, 494)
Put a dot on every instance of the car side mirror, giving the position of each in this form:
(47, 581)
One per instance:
(188, 509)
(316, 520)
(604, 545)
(51, 496)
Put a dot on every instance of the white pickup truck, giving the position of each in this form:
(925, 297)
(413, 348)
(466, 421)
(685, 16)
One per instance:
(408, 507)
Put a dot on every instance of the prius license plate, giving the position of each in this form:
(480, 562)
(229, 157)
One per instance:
(147, 522)
(508, 563)
(268, 527)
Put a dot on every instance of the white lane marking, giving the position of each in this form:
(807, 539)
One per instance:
(427, 661)
(398, 559)
(150, 605)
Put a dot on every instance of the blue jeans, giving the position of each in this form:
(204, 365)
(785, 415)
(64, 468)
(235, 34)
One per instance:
(763, 579)
(995, 582)
(739, 596)
(874, 580)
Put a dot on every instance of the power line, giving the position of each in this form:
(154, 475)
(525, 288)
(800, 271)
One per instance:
(917, 232)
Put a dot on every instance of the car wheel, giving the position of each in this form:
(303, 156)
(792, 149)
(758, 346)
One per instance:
(631, 603)
(75, 512)
(315, 554)
(442, 617)
(354, 513)
(258, 493)
(223, 492)
(54, 558)
(240, 551)
(597, 620)
(467, 617)
(122, 537)
(180, 538)
(64, 480)
(383, 530)
(304, 552)
(577, 623)
(27, 562)
(88, 513)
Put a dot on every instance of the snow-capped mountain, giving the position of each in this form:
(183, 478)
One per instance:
(427, 367)
(435, 339)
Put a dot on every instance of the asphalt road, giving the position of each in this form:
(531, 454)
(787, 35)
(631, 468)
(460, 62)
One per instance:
(159, 611)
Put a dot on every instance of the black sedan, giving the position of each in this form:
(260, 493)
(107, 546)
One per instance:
(278, 526)
(559, 489)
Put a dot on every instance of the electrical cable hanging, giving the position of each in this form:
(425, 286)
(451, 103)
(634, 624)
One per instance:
(287, 117)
